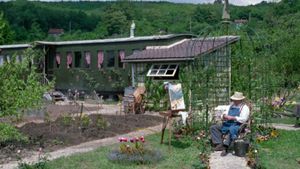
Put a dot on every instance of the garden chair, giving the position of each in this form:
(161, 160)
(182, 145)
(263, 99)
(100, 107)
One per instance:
(133, 101)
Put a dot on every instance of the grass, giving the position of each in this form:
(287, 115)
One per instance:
(284, 120)
(282, 152)
(176, 158)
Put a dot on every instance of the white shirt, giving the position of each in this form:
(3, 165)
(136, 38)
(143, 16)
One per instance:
(244, 114)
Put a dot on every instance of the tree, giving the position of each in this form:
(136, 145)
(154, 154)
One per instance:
(20, 86)
(6, 35)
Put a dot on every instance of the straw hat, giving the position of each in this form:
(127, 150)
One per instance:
(237, 96)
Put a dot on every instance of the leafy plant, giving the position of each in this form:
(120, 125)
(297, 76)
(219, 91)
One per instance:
(85, 121)
(21, 86)
(67, 120)
(9, 134)
(101, 122)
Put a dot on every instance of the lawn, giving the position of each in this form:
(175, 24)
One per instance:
(176, 158)
(284, 120)
(282, 152)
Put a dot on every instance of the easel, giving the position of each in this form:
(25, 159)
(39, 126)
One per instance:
(177, 104)
(168, 120)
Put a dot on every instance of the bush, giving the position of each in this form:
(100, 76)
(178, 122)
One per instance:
(85, 121)
(9, 133)
(101, 123)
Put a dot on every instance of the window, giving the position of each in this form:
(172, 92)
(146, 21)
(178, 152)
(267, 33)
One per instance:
(121, 57)
(57, 59)
(162, 70)
(110, 58)
(19, 58)
(100, 58)
(69, 60)
(87, 59)
(78, 59)
(1, 60)
(8, 58)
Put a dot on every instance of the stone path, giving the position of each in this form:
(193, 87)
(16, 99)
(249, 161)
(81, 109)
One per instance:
(84, 147)
(228, 162)
(285, 126)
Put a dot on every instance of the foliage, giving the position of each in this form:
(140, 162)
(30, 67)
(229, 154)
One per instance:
(156, 95)
(9, 133)
(21, 86)
(67, 120)
(101, 122)
(85, 121)
(6, 34)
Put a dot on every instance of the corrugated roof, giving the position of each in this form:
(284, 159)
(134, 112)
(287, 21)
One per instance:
(127, 39)
(183, 50)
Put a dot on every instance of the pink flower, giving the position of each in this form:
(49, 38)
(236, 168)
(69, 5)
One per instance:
(142, 139)
(136, 139)
(125, 139)
(132, 140)
(120, 139)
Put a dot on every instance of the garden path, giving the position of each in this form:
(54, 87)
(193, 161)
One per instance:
(285, 126)
(84, 147)
(228, 162)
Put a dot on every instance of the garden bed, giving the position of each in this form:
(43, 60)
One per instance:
(66, 131)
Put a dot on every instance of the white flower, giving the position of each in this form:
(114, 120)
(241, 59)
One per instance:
(19, 151)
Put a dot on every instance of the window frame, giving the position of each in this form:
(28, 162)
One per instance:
(162, 71)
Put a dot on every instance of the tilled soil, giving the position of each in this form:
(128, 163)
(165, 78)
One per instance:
(67, 131)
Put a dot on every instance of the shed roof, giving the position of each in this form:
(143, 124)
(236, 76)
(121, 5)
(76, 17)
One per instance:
(127, 39)
(186, 49)
(16, 46)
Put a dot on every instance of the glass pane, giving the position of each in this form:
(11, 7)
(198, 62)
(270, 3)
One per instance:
(172, 66)
(161, 72)
(164, 66)
(153, 72)
(155, 66)
(170, 72)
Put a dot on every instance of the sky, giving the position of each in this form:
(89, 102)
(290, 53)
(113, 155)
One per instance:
(235, 2)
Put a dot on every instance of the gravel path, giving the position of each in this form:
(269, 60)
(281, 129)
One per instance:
(84, 147)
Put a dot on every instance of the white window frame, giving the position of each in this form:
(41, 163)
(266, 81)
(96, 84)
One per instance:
(160, 70)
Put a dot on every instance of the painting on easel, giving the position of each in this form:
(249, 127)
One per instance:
(176, 97)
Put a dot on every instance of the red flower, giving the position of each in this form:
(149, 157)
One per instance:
(132, 140)
(142, 139)
(125, 139)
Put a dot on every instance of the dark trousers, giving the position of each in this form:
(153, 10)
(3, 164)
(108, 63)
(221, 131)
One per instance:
(217, 136)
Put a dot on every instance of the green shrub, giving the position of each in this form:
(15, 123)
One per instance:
(9, 133)
(67, 120)
(85, 121)
(101, 123)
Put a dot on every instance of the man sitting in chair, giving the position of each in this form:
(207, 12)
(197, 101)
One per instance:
(237, 114)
